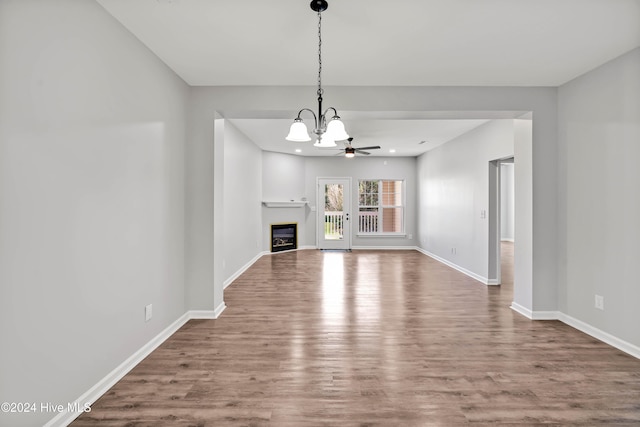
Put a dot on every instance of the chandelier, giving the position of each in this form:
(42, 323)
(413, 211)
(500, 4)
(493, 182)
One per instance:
(327, 131)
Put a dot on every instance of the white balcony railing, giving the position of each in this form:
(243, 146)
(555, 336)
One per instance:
(333, 228)
(367, 222)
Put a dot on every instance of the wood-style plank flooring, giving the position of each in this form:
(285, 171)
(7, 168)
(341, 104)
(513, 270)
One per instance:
(387, 338)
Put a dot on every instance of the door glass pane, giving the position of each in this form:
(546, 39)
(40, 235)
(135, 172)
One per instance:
(333, 214)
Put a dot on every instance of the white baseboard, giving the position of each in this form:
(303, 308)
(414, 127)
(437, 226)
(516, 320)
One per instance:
(521, 310)
(462, 270)
(596, 333)
(384, 248)
(546, 315)
(65, 418)
(535, 315)
(613, 341)
(218, 311)
(245, 267)
(207, 314)
(242, 269)
(507, 239)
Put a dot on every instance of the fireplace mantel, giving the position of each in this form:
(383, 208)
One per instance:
(286, 204)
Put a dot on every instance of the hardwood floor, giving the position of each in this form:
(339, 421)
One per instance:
(314, 338)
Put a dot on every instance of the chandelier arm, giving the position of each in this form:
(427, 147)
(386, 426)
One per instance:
(335, 112)
(315, 118)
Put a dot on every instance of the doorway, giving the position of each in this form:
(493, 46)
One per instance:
(501, 213)
(334, 213)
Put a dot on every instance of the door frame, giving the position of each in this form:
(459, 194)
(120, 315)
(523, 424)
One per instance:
(494, 276)
(345, 243)
(495, 220)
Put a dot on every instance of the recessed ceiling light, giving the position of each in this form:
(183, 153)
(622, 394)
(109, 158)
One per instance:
(393, 150)
(421, 142)
(298, 150)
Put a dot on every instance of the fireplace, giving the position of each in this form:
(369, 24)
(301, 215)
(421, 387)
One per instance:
(284, 237)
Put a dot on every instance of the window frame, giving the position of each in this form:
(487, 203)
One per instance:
(381, 207)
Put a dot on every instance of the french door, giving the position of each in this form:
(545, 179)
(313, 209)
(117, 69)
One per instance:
(334, 213)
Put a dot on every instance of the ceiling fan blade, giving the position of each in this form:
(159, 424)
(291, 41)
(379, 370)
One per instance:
(339, 153)
(373, 147)
(362, 152)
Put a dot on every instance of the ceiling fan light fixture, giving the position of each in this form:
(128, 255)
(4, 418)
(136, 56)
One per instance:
(349, 152)
(298, 131)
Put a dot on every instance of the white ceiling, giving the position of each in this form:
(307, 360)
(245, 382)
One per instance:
(385, 43)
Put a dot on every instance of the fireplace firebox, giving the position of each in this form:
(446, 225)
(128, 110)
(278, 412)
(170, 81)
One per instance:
(284, 237)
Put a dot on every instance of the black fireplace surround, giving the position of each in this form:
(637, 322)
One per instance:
(284, 237)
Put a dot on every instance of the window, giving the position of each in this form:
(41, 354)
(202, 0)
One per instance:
(380, 207)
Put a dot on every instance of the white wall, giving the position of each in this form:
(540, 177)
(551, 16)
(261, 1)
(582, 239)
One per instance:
(507, 202)
(283, 180)
(599, 200)
(529, 253)
(92, 131)
(282, 177)
(454, 193)
(242, 200)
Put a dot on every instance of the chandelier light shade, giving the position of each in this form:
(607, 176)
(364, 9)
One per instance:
(335, 129)
(327, 131)
(298, 132)
(325, 141)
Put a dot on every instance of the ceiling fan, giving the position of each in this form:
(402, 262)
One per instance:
(350, 151)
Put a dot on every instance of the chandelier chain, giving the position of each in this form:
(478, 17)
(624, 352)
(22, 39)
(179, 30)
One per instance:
(320, 91)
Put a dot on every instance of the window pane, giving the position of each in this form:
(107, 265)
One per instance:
(392, 193)
(368, 220)
(380, 206)
(392, 220)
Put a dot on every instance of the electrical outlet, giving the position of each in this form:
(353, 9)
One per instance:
(410, 236)
(599, 302)
(148, 312)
